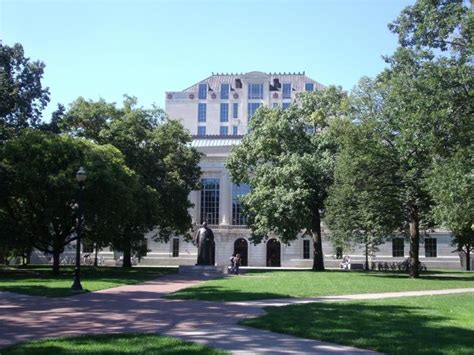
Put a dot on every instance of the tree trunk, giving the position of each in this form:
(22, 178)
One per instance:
(318, 259)
(367, 256)
(414, 259)
(127, 257)
(56, 256)
(468, 258)
(96, 263)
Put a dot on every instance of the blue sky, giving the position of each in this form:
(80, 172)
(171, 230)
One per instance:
(107, 48)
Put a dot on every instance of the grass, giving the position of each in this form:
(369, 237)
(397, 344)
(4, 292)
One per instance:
(282, 284)
(40, 281)
(415, 325)
(110, 344)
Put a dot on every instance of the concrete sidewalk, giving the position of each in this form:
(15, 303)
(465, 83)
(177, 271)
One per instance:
(142, 309)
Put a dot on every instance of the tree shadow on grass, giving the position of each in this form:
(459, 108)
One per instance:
(216, 293)
(399, 275)
(110, 344)
(394, 329)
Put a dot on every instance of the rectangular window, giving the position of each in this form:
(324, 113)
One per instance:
(225, 91)
(309, 87)
(175, 247)
(87, 247)
(255, 91)
(202, 108)
(224, 112)
(202, 91)
(398, 247)
(224, 131)
(144, 247)
(306, 249)
(252, 107)
(235, 110)
(275, 105)
(287, 91)
(430, 248)
(201, 131)
(210, 200)
(238, 219)
(235, 130)
(286, 105)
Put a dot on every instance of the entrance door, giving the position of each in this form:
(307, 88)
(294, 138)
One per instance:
(273, 253)
(241, 247)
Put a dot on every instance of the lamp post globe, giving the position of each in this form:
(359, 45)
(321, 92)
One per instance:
(81, 178)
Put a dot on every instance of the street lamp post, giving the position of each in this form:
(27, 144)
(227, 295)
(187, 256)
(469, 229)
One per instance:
(81, 178)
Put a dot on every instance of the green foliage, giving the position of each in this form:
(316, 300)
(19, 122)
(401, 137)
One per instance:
(288, 158)
(21, 96)
(414, 325)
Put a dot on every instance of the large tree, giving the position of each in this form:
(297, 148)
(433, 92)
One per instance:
(287, 158)
(154, 147)
(43, 194)
(22, 97)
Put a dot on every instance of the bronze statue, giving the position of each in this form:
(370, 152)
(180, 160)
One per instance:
(204, 240)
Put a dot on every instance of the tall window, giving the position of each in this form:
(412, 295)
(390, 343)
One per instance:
(202, 91)
(235, 110)
(224, 112)
(286, 105)
(287, 91)
(225, 91)
(87, 246)
(235, 130)
(238, 219)
(275, 105)
(175, 247)
(309, 87)
(224, 131)
(210, 200)
(306, 249)
(201, 131)
(256, 91)
(202, 108)
(430, 248)
(398, 247)
(252, 107)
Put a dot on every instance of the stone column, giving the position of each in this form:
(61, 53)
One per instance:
(194, 197)
(225, 202)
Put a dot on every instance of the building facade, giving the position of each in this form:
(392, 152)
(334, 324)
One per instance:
(217, 111)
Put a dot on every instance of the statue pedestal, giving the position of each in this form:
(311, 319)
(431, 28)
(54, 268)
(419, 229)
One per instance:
(202, 270)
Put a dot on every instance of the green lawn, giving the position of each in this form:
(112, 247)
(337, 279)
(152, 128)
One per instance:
(416, 325)
(39, 280)
(110, 344)
(281, 284)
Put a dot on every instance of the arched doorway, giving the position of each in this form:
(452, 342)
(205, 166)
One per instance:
(241, 247)
(273, 253)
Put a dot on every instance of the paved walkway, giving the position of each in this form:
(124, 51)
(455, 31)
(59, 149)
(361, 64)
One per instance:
(142, 308)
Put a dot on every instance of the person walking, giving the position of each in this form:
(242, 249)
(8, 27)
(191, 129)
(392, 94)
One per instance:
(236, 264)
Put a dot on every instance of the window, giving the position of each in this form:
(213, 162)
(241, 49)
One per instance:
(224, 131)
(430, 248)
(287, 91)
(309, 87)
(235, 110)
(255, 91)
(225, 91)
(338, 252)
(286, 105)
(306, 249)
(224, 112)
(202, 108)
(210, 200)
(202, 91)
(235, 130)
(201, 131)
(87, 247)
(252, 107)
(238, 219)
(175, 247)
(398, 247)
(275, 105)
